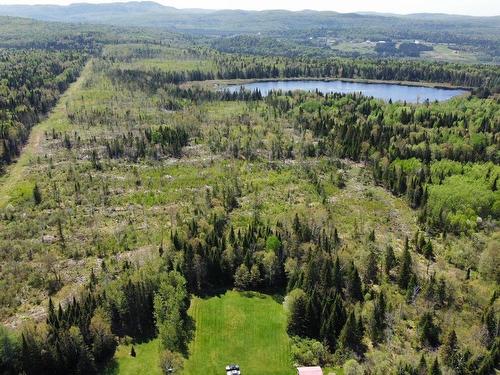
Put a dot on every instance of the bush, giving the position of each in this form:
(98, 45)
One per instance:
(171, 361)
(308, 352)
(352, 367)
(489, 264)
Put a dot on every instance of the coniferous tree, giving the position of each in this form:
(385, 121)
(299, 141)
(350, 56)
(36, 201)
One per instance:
(390, 260)
(377, 322)
(435, 369)
(338, 282)
(327, 331)
(490, 360)
(422, 366)
(441, 293)
(428, 331)
(354, 287)
(333, 322)
(405, 269)
(371, 236)
(371, 274)
(349, 337)
(450, 349)
(297, 321)
(491, 326)
(62, 240)
(360, 332)
(37, 195)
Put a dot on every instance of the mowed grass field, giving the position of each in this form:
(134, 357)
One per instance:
(146, 360)
(245, 328)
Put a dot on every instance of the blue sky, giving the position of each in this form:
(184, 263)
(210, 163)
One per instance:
(470, 7)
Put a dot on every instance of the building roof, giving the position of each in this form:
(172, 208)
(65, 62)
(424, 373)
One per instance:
(316, 370)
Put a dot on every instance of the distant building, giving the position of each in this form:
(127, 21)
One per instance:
(313, 370)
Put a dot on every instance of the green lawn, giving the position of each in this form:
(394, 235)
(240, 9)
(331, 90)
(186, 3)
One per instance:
(245, 328)
(145, 361)
(248, 329)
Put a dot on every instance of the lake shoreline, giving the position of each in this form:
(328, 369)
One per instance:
(218, 83)
(378, 90)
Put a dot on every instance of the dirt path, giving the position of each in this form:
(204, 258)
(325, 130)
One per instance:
(16, 172)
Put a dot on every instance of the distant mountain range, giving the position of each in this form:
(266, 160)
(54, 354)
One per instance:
(228, 22)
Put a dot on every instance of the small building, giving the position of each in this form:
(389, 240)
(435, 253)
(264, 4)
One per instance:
(312, 370)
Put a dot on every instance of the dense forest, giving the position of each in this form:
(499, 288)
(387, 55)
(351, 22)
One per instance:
(372, 224)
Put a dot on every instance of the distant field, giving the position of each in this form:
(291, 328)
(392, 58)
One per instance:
(175, 65)
(243, 328)
(146, 57)
(444, 53)
(363, 48)
(441, 52)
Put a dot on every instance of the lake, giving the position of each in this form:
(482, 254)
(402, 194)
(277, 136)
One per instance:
(385, 91)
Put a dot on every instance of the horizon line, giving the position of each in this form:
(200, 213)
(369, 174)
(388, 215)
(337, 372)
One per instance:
(361, 12)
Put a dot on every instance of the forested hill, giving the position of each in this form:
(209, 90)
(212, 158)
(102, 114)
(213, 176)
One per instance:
(17, 32)
(276, 21)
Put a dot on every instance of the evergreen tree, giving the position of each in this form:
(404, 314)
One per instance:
(338, 314)
(37, 194)
(405, 269)
(333, 322)
(371, 236)
(338, 282)
(327, 332)
(435, 369)
(348, 338)
(354, 287)
(371, 273)
(490, 326)
(297, 322)
(422, 366)
(450, 349)
(441, 293)
(9, 353)
(428, 331)
(377, 322)
(390, 260)
(428, 251)
(490, 360)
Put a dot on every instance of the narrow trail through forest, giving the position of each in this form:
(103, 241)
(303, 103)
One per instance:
(16, 172)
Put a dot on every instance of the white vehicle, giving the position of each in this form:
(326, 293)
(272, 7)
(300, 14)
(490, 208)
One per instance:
(233, 370)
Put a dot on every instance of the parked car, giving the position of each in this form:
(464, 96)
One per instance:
(233, 370)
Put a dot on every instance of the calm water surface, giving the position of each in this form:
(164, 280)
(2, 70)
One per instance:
(385, 91)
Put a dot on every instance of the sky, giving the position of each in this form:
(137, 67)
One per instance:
(469, 7)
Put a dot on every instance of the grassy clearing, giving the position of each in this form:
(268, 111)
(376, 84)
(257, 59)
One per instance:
(364, 48)
(243, 328)
(442, 52)
(175, 65)
(145, 361)
(246, 328)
